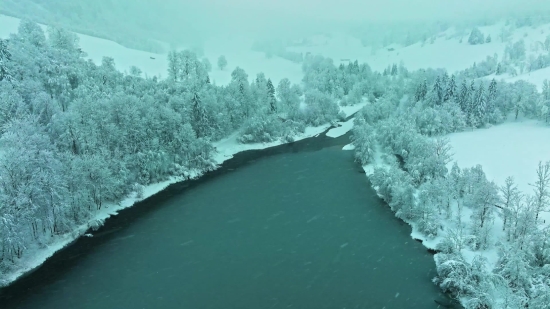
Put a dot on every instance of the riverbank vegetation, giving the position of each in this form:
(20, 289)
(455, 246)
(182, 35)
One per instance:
(77, 136)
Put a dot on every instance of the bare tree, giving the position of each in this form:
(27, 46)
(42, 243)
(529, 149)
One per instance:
(542, 189)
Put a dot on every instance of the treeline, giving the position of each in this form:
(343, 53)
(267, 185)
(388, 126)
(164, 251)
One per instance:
(76, 136)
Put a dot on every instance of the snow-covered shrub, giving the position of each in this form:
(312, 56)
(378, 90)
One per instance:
(138, 188)
(320, 108)
(261, 129)
(516, 51)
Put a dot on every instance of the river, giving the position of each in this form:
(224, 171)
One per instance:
(294, 226)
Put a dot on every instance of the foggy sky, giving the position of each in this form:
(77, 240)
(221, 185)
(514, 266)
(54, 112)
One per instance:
(374, 10)
(285, 16)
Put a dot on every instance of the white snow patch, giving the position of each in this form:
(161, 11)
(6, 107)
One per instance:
(344, 128)
(352, 109)
(349, 147)
(536, 77)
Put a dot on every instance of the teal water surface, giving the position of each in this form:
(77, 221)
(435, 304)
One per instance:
(296, 229)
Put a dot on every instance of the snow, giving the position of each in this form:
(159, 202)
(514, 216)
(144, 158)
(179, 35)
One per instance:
(445, 52)
(536, 77)
(348, 147)
(238, 53)
(352, 109)
(235, 49)
(344, 127)
(510, 149)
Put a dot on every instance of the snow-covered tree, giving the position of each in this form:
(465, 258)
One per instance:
(5, 56)
(364, 140)
(476, 37)
(222, 62)
(541, 189)
(510, 195)
(207, 65)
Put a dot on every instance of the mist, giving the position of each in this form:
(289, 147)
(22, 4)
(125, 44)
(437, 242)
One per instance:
(290, 16)
(143, 23)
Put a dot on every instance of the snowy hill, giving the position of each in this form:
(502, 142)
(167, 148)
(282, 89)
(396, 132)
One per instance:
(449, 50)
(236, 50)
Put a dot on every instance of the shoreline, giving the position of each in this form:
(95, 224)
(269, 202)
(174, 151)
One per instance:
(226, 149)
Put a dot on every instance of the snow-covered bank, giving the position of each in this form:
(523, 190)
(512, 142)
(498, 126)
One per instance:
(229, 146)
(344, 127)
(226, 149)
(472, 222)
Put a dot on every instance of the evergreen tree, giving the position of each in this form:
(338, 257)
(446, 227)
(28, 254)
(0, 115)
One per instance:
(199, 115)
(471, 106)
(421, 91)
(480, 105)
(451, 89)
(5, 56)
(271, 96)
(394, 70)
(173, 66)
(463, 97)
(438, 91)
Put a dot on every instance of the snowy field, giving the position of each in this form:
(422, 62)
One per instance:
(510, 149)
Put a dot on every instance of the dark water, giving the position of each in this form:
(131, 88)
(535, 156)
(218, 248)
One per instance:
(293, 227)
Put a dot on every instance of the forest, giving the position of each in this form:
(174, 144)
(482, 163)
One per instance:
(77, 137)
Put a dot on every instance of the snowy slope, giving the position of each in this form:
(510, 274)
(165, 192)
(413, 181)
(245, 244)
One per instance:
(445, 52)
(237, 51)
(536, 77)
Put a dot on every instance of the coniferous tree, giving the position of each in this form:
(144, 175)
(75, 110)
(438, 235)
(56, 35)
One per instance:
(463, 97)
(5, 56)
(421, 91)
(451, 91)
(438, 91)
(173, 66)
(271, 96)
(480, 105)
(199, 115)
